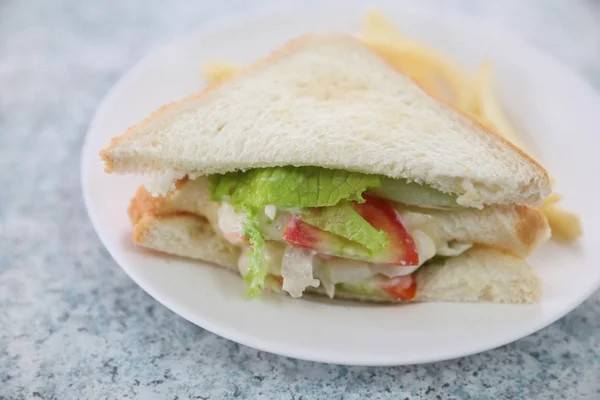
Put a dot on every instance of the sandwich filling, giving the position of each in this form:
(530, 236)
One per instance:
(311, 226)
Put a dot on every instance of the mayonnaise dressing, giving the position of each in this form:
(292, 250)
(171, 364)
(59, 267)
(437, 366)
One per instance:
(231, 224)
(161, 183)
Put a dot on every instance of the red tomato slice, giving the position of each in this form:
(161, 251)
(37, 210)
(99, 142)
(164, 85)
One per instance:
(300, 234)
(380, 213)
(401, 249)
(401, 287)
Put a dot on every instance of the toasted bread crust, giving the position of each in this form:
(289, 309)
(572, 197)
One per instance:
(143, 203)
(144, 209)
(526, 156)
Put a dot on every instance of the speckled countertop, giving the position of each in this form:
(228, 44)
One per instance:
(73, 325)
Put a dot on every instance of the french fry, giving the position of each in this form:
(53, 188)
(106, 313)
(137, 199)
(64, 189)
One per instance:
(434, 72)
(217, 71)
(488, 105)
(378, 26)
(551, 200)
(436, 75)
(565, 225)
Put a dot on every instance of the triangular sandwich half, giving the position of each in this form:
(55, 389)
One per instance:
(322, 168)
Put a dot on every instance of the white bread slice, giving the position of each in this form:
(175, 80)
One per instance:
(480, 274)
(327, 100)
(185, 235)
(515, 229)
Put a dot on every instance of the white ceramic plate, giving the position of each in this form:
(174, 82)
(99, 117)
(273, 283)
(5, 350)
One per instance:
(556, 110)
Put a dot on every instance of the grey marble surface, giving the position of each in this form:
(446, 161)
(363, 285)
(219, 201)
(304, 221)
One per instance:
(73, 325)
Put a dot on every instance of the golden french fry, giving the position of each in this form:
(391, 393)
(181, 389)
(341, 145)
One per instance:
(565, 225)
(378, 26)
(551, 200)
(488, 105)
(433, 72)
(217, 71)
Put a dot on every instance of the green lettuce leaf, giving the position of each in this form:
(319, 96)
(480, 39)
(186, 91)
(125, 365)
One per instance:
(291, 187)
(222, 186)
(344, 221)
(258, 267)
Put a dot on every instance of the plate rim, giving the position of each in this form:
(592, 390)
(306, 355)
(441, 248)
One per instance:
(300, 353)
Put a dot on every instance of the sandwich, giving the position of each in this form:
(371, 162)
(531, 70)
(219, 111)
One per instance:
(322, 169)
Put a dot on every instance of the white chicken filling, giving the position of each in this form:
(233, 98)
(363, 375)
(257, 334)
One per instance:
(301, 268)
